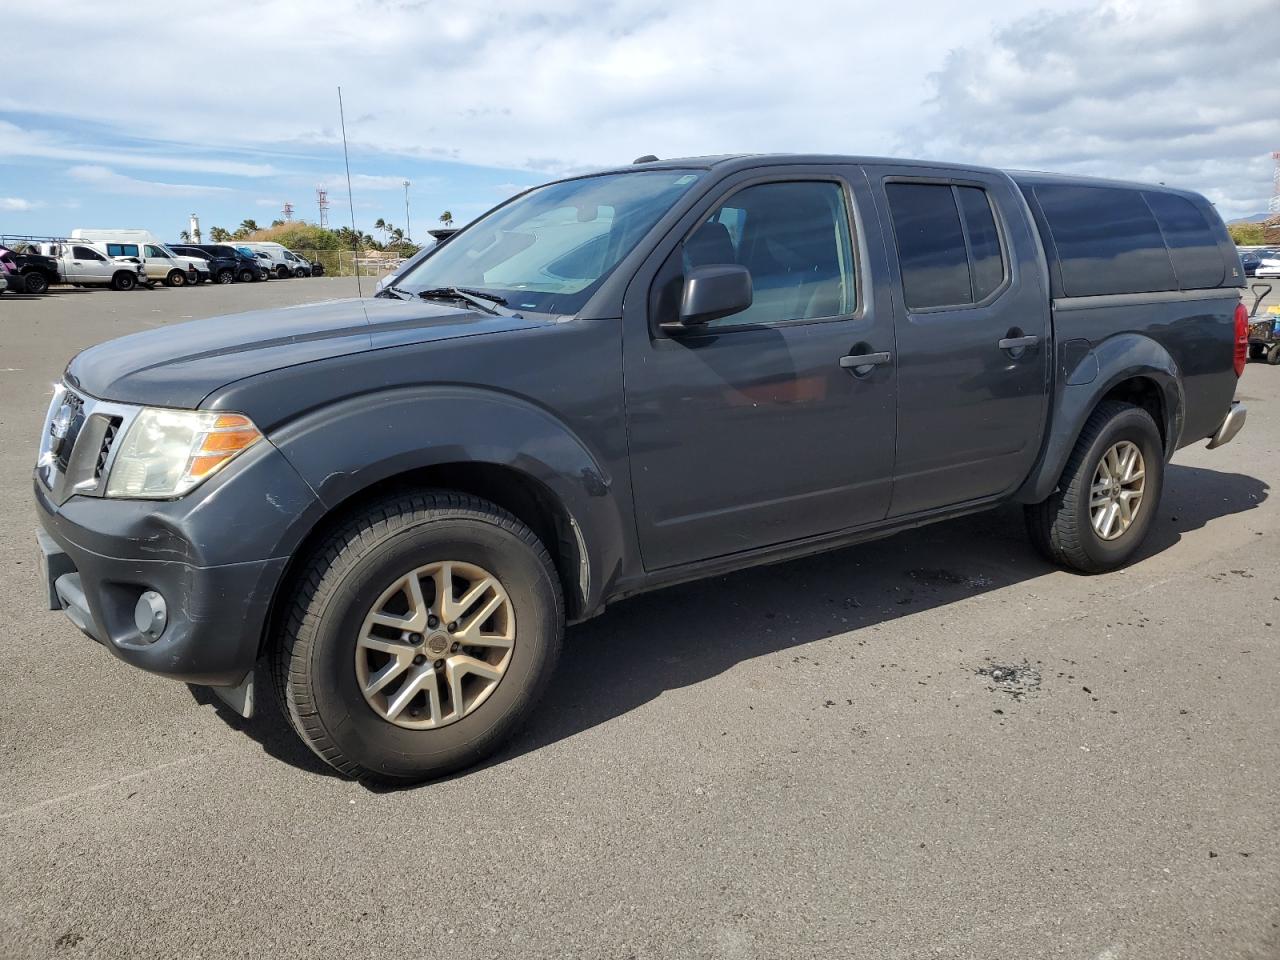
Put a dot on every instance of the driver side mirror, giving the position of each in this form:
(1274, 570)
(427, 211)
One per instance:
(712, 292)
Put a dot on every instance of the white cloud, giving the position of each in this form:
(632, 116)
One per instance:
(1120, 90)
(1165, 91)
(107, 180)
(19, 142)
(17, 205)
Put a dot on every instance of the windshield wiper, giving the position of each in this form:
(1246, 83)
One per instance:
(400, 293)
(476, 298)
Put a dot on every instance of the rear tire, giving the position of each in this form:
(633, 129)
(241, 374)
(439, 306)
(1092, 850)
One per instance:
(1273, 354)
(1064, 527)
(123, 281)
(36, 283)
(226, 275)
(283, 272)
(176, 278)
(322, 637)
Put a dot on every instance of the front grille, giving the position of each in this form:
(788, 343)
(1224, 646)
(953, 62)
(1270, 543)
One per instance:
(77, 447)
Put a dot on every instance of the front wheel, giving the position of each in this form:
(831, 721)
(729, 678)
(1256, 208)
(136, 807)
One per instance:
(1273, 354)
(1107, 498)
(176, 278)
(419, 636)
(123, 281)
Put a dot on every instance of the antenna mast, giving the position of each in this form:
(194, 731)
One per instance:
(322, 201)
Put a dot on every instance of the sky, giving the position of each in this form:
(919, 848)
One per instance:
(157, 111)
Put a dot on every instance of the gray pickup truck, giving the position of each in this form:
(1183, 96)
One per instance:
(612, 383)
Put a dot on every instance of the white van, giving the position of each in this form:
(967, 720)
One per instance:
(159, 262)
(282, 261)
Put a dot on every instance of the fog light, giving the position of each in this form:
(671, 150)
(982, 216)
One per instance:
(150, 615)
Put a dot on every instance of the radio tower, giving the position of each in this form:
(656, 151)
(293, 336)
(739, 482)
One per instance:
(322, 201)
(287, 212)
(1274, 205)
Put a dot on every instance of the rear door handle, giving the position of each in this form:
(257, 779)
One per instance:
(864, 360)
(1016, 343)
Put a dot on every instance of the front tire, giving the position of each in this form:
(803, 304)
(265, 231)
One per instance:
(377, 694)
(176, 278)
(1273, 354)
(1107, 498)
(123, 281)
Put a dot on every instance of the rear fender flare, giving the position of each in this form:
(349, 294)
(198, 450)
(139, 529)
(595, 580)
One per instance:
(1119, 358)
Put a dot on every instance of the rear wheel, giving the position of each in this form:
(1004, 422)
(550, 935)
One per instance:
(1108, 495)
(1273, 354)
(176, 278)
(420, 635)
(124, 281)
(36, 282)
(283, 272)
(226, 275)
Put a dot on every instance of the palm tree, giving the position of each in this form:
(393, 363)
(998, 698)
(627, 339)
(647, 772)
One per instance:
(446, 218)
(184, 237)
(219, 234)
(380, 225)
(397, 235)
(249, 226)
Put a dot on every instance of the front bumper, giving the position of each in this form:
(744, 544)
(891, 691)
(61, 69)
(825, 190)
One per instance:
(215, 556)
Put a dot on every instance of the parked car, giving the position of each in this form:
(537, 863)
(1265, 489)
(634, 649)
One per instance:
(81, 265)
(34, 272)
(277, 256)
(301, 265)
(1268, 269)
(161, 263)
(248, 266)
(221, 268)
(613, 383)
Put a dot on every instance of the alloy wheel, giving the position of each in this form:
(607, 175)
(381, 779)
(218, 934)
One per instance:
(435, 645)
(1115, 496)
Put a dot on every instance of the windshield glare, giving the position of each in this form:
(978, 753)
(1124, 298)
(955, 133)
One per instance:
(548, 250)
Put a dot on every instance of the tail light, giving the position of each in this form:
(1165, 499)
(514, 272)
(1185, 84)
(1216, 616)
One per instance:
(1242, 338)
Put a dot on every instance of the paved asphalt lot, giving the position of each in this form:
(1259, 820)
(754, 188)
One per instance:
(801, 760)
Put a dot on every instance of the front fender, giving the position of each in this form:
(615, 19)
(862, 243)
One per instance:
(344, 449)
(1083, 379)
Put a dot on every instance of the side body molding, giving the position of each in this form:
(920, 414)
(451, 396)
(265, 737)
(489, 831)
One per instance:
(343, 449)
(1117, 359)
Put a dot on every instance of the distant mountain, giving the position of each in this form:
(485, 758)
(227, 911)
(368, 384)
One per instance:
(1253, 218)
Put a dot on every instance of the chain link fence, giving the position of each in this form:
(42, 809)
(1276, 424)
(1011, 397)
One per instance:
(347, 263)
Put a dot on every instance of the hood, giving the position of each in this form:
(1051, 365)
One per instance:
(180, 365)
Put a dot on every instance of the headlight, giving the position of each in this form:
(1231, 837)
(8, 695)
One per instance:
(167, 453)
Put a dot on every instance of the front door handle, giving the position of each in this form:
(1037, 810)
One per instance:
(1017, 343)
(858, 362)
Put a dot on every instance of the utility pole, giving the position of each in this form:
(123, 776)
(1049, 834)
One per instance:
(407, 232)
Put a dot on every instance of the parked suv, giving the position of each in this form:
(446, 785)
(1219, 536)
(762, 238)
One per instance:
(616, 382)
(220, 268)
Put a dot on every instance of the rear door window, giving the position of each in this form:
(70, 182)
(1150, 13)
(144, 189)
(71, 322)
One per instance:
(1108, 240)
(122, 249)
(949, 248)
(930, 238)
(1193, 247)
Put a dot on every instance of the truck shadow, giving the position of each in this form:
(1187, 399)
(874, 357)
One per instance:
(682, 635)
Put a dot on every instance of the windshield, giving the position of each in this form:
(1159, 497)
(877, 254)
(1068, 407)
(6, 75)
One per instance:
(548, 250)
